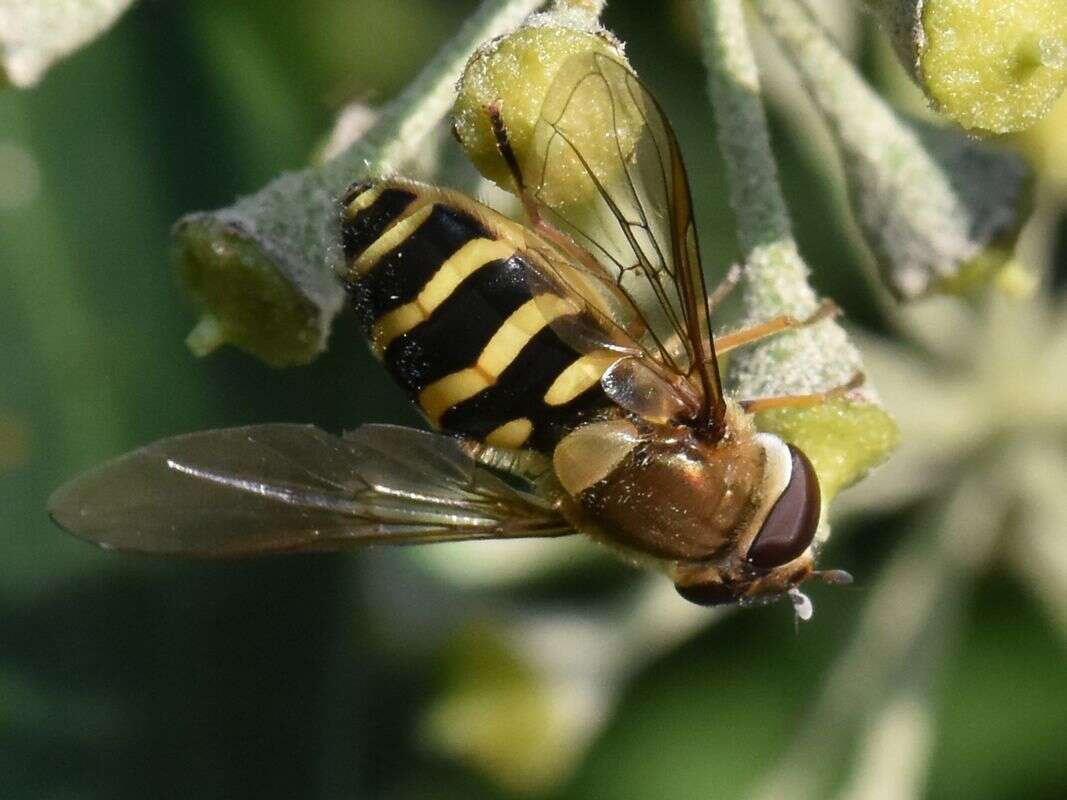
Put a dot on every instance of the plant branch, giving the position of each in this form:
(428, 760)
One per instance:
(263, 268)
(776, 277)
(406, 122)
(937, 209)
(756, 197)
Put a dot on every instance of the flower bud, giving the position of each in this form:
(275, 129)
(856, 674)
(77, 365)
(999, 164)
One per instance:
(991, 65)
(516, 721)
(538, 71)
(272, 304)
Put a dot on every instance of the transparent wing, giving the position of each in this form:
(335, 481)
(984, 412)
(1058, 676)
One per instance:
(622, 195)
(265, 488)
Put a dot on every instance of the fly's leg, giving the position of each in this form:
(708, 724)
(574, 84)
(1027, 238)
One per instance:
(529, 205)
(726, 285)
(780, 324)
(801, 400)
(503, 146)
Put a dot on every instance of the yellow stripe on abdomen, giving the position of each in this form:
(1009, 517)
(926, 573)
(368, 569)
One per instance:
(393, 236)
(583, 373)
(512, 335)
(364, 200)
(474, 255)
(511, 434)
(441, 395)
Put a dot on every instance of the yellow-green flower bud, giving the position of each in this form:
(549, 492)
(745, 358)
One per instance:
(990, 65)
(279, 315)
(844, 439)
(502, 715)
(533, 72)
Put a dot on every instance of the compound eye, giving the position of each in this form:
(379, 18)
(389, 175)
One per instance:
(790, 526)
(707, 594)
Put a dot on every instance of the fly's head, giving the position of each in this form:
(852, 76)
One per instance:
(774, 552)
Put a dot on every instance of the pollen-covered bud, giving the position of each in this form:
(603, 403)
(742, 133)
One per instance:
(940, 212)
(539, 71)
(991, 65)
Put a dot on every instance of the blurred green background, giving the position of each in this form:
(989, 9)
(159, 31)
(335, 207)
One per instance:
(311, 676)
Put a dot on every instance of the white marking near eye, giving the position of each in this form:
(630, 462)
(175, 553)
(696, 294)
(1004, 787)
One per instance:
(776, 475)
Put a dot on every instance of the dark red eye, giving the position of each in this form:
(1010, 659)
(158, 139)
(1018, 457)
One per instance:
(707, 594)
(790, 525)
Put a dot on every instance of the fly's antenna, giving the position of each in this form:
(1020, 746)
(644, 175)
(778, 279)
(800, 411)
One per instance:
(836, 577)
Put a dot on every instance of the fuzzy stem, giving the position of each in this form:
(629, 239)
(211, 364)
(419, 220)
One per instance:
(756, 197)
(264, 267)
(776, 277)
(593, 8)
(844, 439)
(407, 121)
(903, 23)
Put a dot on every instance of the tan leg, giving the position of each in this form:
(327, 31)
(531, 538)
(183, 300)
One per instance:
(731, 341)
(503, 146)
(798, 400)
(564, 243)
(529, 205)
(727, 285)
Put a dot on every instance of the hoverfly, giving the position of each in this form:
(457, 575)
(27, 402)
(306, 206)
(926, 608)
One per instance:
(568, 364)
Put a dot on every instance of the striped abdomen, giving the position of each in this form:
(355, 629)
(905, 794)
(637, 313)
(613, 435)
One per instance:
(446, 303)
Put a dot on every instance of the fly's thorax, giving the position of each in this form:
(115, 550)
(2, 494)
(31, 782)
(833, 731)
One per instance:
(728, 520)
(661, 491)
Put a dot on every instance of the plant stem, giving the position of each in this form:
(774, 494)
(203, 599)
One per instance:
(264, 267)
(845, 439)
(407, 121)
(776, 275)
